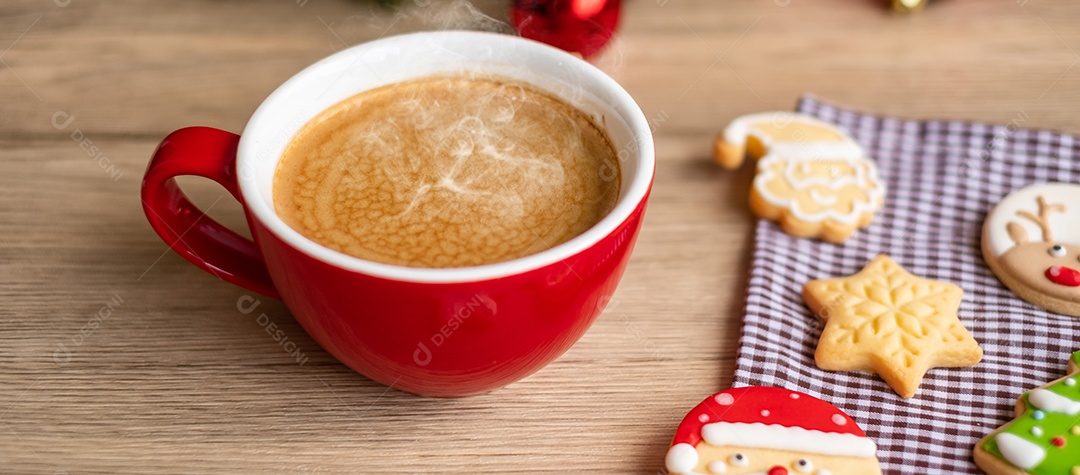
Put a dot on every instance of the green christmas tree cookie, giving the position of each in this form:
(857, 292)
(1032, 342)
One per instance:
(1044, 439)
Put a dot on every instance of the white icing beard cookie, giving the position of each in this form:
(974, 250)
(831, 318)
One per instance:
(812, 177)
(1031, 240)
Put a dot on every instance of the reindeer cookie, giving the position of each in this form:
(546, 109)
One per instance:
(1031, 240)
(1044, 438)
(812, 177)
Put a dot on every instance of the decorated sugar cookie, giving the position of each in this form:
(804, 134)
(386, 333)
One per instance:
(1044, 439)
(771, 431)
(1031, 240)
(812, 177)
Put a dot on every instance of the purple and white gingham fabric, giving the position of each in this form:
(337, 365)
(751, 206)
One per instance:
(943, 178)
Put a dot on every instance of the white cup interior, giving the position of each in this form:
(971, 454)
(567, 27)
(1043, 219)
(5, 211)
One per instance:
(415, 55)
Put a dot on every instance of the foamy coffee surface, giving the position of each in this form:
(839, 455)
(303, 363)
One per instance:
(449, 171)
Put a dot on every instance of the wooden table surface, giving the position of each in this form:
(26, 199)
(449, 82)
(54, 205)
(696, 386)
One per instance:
(117, 356)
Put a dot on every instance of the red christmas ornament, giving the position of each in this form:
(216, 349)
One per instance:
(577, 26)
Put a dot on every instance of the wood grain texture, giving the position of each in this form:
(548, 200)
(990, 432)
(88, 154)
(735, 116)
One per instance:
(116, 356)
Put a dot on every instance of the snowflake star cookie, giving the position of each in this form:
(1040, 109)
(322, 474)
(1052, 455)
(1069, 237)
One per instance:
(1031, 240)
(1044, 439)
(769, 431)
(812, 177)
(887, 321)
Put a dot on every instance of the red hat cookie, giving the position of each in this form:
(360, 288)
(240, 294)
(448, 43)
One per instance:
(771, 431)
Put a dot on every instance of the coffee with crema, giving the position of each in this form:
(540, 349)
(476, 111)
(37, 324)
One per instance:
(447, 171)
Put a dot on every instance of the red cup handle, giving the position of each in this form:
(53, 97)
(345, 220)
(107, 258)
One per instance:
(209, 153)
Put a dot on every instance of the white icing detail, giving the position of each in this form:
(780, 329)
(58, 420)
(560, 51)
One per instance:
(696, 473)
(703, 418)
(1055, 270)
(825, 200)
(1037, 431)
(1058, 250)
(811, 150)
(839, 419)
(798, 439)
(1070, 382)
(1065, 225)
(681, 459)
(828, 182)
(739, 129)
(765, 413)
(794, 396)
(1018, 451)
(866, 178)
(717, 467)
(725, 399)
(706, 469)
(1050, 401)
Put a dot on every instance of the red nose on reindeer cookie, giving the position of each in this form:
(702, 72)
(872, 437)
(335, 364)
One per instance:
(1031, 240)
(769, 431)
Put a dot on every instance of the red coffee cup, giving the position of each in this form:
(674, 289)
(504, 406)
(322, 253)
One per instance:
(434, 332)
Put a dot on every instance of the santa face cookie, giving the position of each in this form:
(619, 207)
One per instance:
(812, 177)
(769, 431)
(1031, 240)
(1044, 439)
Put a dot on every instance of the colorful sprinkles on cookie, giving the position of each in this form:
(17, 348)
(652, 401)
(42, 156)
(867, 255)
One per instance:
(1044, 439)
(773, 431)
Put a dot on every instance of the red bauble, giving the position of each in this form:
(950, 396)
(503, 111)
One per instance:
(567, 24)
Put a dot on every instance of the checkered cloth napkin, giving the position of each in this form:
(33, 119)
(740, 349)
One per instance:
(943, 178)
